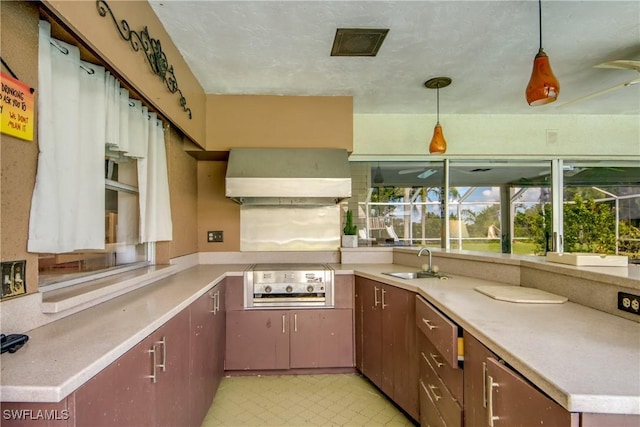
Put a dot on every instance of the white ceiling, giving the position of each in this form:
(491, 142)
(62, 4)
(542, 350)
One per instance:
(486, 47)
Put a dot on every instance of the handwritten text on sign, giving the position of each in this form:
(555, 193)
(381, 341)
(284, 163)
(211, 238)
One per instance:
(16, 108)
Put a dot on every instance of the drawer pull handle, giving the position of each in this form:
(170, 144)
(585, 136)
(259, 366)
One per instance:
(375, 296)
(295, 323)
(163, 365)
(490, 386)
(153, 375)
(429, 324)
(435, 360)
(283, 330)
(383, 304)
(433, 388)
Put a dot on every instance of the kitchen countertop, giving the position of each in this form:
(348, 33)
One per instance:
(590, 361)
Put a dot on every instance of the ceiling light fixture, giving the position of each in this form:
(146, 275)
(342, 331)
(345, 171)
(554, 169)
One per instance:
(543, 86)
(438, 144)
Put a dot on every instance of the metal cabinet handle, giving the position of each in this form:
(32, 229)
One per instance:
(429, 324)
(433, 357)
(375, 296)
(283, 316)
(213, 296)
(295, 323)
(153, 376)
(490, 386)
(484, 384)
(383, 304)
(163, 342)
(432, 388)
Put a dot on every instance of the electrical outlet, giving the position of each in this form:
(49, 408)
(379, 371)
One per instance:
(215, 236)
(629, 302)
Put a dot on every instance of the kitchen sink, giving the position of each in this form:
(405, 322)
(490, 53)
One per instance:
(417, 275)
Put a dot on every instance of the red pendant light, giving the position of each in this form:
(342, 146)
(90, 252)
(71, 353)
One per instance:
(543, 86)
(438, 144)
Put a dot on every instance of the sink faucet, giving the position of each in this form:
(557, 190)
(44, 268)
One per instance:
(429, 252)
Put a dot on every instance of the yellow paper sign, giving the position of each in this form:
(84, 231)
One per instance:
(16, 108)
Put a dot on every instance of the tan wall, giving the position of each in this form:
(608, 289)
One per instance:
(279, 121)
(19, 47)
(101, 34)
(183, 189)
(215, 211)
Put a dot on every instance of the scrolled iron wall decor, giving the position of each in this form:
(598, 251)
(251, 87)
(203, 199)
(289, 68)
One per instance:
(152, 50)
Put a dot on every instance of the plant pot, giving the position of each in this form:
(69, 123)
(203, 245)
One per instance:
(349, 241)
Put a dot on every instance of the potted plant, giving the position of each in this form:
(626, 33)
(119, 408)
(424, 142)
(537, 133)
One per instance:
(350, 236)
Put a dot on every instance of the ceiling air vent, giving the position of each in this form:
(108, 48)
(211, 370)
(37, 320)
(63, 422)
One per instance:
(358, 41)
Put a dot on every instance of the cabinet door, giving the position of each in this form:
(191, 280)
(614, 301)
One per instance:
(257, 339)
(321, 338)
(122, 394)
(513, 402)
(400, 367)
(475, 399)
(172, 387)
(203, 356)
(370, 293)
(219, 335)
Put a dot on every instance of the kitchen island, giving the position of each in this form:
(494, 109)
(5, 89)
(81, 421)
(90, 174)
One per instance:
(584, 359)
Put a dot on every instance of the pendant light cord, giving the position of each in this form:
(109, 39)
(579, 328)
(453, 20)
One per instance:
(540, 21)
(438, 103)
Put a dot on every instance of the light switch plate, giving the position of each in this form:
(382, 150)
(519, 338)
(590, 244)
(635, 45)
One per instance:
(215, 236)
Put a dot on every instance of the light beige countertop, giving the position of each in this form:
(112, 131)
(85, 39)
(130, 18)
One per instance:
(585, 359)
(61, 356)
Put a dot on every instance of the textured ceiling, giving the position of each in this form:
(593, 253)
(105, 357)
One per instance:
(486, 47)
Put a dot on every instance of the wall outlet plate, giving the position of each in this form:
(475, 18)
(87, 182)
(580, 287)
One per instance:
(215, 236)
(629, 302)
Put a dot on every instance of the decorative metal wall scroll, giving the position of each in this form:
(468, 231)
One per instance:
(151, 48)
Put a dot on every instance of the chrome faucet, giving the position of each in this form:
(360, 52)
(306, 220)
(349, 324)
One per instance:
(429, 251)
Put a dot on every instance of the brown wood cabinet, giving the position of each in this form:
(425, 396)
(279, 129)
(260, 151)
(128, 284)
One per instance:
(279, 339)
(207, 351)
(167, 379)
(146, 386)
(386, 341)
(284, 339)
(497, 396)
(441, 377)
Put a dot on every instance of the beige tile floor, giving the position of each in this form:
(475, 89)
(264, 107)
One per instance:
(302, 400)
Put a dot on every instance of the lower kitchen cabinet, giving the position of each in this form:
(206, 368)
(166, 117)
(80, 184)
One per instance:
(144, 387)
(441, 374)
(497, 396)
(207, 351)
(284, 339)
(386, 341)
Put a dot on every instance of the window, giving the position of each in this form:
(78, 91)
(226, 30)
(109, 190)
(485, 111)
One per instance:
(122, 247)
(503, 205)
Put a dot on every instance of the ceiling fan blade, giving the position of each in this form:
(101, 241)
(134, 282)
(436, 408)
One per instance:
(601, 92)
(621, 64)
(406, 171)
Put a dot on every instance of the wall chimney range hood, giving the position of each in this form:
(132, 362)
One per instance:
(288, 176)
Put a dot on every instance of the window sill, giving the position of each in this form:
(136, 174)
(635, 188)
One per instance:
(94, 292)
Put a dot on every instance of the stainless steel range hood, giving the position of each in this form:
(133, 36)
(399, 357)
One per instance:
(284, 176)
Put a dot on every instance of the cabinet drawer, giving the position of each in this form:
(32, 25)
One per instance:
(442, 332)
(442, 398)
(452, 378)
(429, 416)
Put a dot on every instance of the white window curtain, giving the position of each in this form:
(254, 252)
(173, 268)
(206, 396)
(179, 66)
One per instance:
(81, 110)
